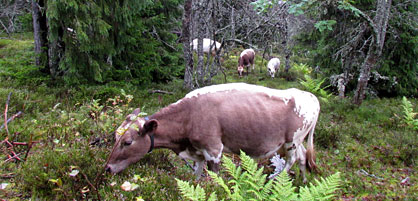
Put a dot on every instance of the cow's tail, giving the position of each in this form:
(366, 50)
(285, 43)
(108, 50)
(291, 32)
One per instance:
(310, 152)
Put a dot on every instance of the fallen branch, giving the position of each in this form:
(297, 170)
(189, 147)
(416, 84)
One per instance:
(16, 156)
(5, 112)
(24, 143)
(7, 176)
(11, 119)
(159, 91)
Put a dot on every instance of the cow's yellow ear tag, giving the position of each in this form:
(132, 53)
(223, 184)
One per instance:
(133, 117)
(121, 131)
(135, 127)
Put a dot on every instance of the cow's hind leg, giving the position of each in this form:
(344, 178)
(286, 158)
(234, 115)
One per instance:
(290, 149)
(301, 156)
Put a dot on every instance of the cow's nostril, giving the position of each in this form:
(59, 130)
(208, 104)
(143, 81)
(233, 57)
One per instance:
(107, 169)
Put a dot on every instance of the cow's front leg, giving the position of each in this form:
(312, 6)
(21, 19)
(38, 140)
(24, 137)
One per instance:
(197, 158)
(212, 166)
(213, 155)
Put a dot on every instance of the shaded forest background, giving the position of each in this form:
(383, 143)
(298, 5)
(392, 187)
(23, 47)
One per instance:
(143, 41)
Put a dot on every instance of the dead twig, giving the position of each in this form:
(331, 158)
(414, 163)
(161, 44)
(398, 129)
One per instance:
(91, 185)
(5, 113)
(11, 119)
(7, 176)
(159, 91)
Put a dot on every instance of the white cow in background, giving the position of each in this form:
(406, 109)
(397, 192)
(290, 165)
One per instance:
(273, 66)
(207, 44)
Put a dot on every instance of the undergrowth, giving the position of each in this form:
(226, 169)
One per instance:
(251, 184)
(372, 145)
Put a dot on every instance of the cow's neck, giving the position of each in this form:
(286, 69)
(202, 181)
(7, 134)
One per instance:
(171, 128)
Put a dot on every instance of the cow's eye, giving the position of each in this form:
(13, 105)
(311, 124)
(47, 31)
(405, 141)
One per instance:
(127, 143)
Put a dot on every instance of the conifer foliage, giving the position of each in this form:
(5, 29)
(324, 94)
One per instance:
(100, 41)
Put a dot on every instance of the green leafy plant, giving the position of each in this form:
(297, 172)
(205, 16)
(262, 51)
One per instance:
(314, 86)
(251, 184)
(409, 114)
(325, 25)
(302, 68)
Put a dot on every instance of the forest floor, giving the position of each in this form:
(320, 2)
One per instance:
(57, 147)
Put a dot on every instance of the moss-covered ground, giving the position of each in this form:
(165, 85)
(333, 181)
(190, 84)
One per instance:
(70, 130)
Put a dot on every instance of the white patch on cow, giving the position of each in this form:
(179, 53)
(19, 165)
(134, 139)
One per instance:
(216, 159)
(141, 122)
(246, 51)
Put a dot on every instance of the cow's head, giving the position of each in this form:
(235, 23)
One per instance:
(240, 70)
(272, 70)
(133, 141)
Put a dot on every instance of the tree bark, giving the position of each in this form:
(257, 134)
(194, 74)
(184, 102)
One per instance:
(200, 33)
(39, 32)
(188, 54)
(379, 26)
(364, 76)
(55, 52)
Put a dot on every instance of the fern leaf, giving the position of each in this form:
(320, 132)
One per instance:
(187, 190)
(283, 188)
(248, 163)
(266, 190)
(323, 190)
(212, 197)
(220, 181)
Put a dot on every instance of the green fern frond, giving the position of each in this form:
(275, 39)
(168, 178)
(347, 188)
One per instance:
(195, 194)
(230, 167)
(252, 185)
(323, 190)
(283, 188)
(409, 114)
(314, 86)
(267, 189)
(213, 197)
(248, 163)
(219, 181)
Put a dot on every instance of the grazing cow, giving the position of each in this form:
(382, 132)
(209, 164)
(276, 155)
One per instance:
(223, 118)
(245, 59)
(209, 46)
(273, 66)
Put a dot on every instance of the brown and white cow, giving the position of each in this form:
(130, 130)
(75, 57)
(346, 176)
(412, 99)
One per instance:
(245, 59)
(223, 118)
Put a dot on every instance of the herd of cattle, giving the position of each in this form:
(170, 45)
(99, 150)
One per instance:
(246, 57)
(222, 118)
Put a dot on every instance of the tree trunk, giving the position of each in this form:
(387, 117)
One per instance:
(188, 54)
(364, 77)
(287, 39)
(55, 53)
(39, 33)
(379, 26)
(200, 33)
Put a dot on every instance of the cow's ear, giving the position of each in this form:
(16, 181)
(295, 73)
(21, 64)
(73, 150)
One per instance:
(150, 126)
(136, 111)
